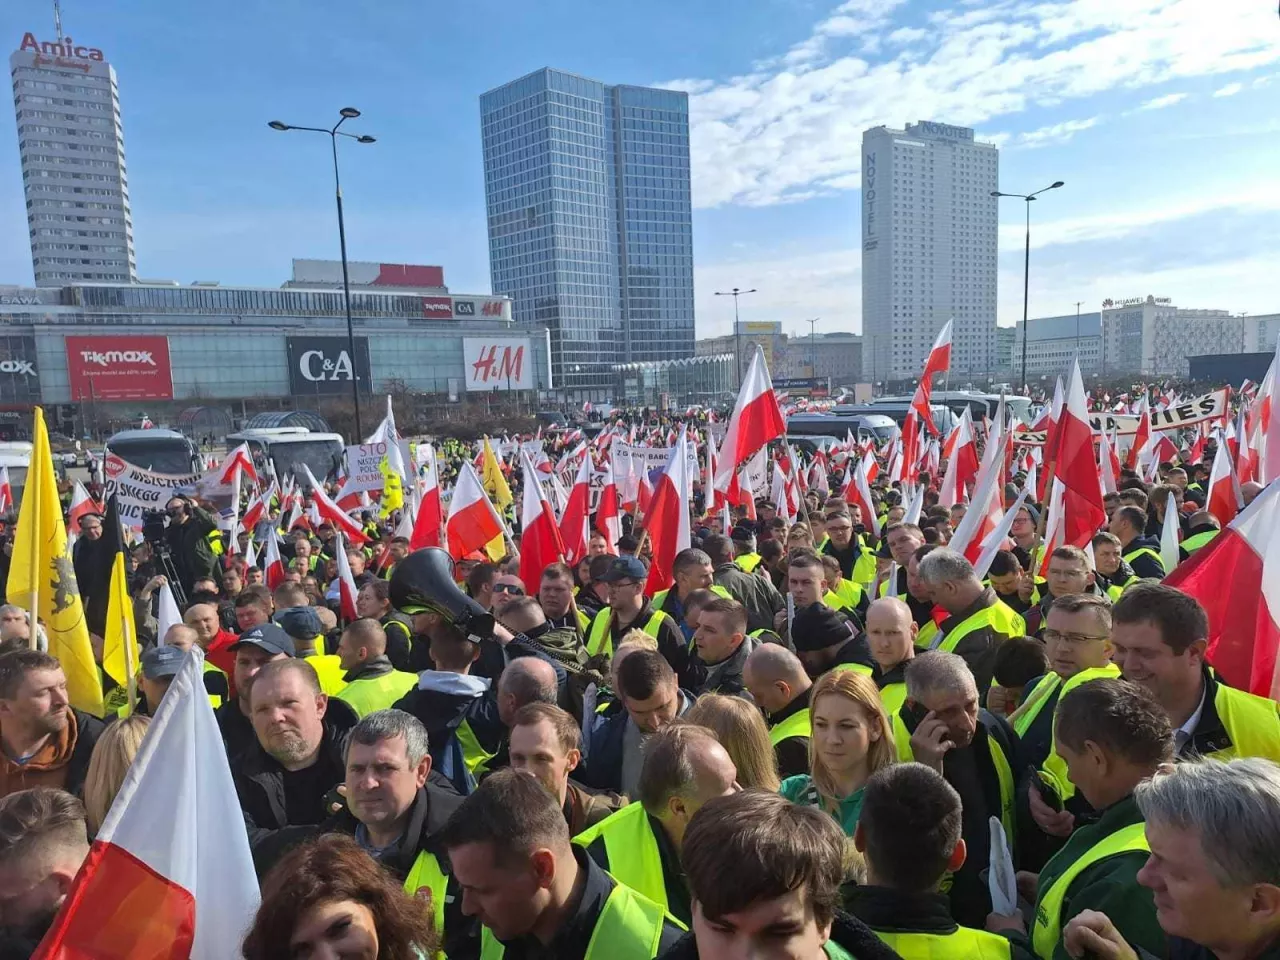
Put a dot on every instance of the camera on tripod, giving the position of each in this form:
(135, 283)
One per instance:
(154, 524)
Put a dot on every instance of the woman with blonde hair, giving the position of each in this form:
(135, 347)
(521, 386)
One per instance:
(112, 756)
(741, 730)
(850, 741)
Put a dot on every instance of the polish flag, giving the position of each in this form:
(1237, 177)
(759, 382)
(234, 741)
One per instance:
(783, 495)
(915, 506)
(911, 447)
(667, 522)
(274, 572)
(996, 536)
(165, 876)
(1224, 498)
(540, 543)
(1108, 465)
(962, 462)
(748, 494)
(1082, 505)
(429, 524)
(756, 420)
(1236, 577)
(81, 505)
(575, 520)
(1270, 454)
(939, 361)
(1053, 531)
(240, 460)
(1143, 437)
(6, 490)
(1169, 534)
(257, 509)
(250, 556)
(712, 498)
(818, 478)
(608, 518)
(473, 523)
(1196, 453)
(985, 511)
(644, 493)
(326, 509)
(1050, 451)
(862, 497)
(346, 582)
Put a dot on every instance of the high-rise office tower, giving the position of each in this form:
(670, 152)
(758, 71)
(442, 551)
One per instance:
(72, 150)
(928, 248)
(587, 188)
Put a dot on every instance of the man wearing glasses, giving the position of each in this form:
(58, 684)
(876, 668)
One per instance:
(506, 588)
(628, 608)
(1069, 574)
(1077, 637)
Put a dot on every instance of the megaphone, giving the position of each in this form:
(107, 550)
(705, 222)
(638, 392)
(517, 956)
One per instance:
(423, 581)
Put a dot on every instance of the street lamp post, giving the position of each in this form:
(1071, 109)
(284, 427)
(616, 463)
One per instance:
(345, 114)
(1079, 304)
(813, 348)
(737, 334)
(1026, 266)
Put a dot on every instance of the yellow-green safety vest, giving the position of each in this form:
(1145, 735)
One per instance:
(965, 944)
(861, 668)
(1252, 723)
(1047, 931)
(632, 848)
(629, 926)
(1004, 772)
(926, 635)
(599, 639)
(999, 615)
(846, 596)
(864, 568)
(474, 755)
(377, 693)
(1054, 768)
(799, 724)
(328, 668)
(893, 696)
(1196, 541)
(748, 562)
(1144, 552)
(426, 872)
(660, 597)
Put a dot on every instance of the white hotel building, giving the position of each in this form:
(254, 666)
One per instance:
(929, 227)
(72, 150)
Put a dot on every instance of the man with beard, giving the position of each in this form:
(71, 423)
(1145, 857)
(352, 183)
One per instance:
(43, 842)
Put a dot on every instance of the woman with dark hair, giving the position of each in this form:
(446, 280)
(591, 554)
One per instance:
(330, 898)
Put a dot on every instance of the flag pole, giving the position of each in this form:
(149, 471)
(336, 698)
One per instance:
(34, 562)
(131, 668)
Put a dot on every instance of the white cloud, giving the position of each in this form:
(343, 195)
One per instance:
(1230, 90)
(794, 288)
(1159, 103)
(1058, 133)
(791, 125)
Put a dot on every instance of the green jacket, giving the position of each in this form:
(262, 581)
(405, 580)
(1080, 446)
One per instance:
(1109, 886)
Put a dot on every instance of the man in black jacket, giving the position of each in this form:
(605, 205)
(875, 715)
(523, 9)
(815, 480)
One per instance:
(288, 777)
(755, 592)
(188, 538)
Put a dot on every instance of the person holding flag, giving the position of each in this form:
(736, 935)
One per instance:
(120, 652)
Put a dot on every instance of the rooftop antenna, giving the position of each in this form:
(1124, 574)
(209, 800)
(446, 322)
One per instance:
(57, 21)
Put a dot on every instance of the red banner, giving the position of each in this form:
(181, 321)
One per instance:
(119, 368)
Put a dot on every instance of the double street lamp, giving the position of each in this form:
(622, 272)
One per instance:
(1026, 266)
(737, 333)
(345, 114)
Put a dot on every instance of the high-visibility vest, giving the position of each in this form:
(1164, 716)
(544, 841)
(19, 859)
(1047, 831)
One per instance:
(328, 668)
(748, 562)
(861, 668)
(584, 621)
(1026, 714)
(965, 943)
(892, 697)
(475, 756)
(999, 615)
(1054, 767)
(629, 926)
(1144, 552)
(1251, 722)
(599, 639)
(660, 597)
(799, 724)
(426, 872)
(368, 694)
(1047, 931)
(926, 634)
(1198, 540)
(846, 596)
(864, 568)
(214, 699)
(632, 848)
(1004, 772)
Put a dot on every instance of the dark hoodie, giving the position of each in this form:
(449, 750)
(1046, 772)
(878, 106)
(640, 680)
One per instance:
(847, 932)
(443, 701)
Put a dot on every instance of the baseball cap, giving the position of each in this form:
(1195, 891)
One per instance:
(269, 638)
(817, 627)
(161, 662)
(301, 623)
(628, 543)
(625, 568)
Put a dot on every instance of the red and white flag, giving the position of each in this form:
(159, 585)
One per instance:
(1083, 513)
(273, 565)
(250, 555)
(1108, 465)
(756, 420)
(667, 520)
(608, 517)
(428, 526)
(257, 509)
(1143, 437)
(1054, 527)
(326, 509)
(938, 361)
(81, 506)
(473, 524)
(6, 490)
(239, 459)
(346, 582)
(575, 521)
(985, 510)
(962, 462)
(1169, 534)
(1223, 499)
(996, 536)
(540, 543)
(861, 493)
(166, 876)
(1236, 578)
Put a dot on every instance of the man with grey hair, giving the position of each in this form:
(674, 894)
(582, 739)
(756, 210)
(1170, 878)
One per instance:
(942, 726)
(1214, 833)
(978, 620)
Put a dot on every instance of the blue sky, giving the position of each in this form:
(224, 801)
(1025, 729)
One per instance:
(1160, 115)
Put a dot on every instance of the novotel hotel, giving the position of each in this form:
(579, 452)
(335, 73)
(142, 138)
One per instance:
(160, 348)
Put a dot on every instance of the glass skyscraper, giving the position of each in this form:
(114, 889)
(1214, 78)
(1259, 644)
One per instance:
(590, 224)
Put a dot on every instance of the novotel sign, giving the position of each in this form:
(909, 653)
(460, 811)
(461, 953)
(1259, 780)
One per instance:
(64, 48)
(946, 130)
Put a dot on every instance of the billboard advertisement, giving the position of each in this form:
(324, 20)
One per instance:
(19, 376)
(498, 363)
(119, 368)
(323, 366)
